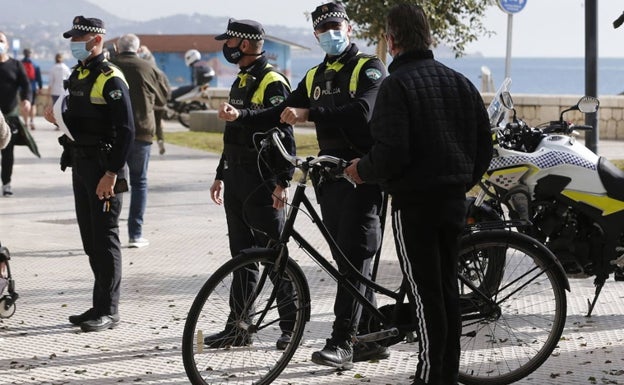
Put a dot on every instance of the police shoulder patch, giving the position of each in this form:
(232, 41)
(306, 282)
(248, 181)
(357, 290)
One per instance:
(276, 100)
(115, 94)
(373, 74)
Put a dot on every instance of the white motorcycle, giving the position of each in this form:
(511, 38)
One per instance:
(571, 199)
(186, 99)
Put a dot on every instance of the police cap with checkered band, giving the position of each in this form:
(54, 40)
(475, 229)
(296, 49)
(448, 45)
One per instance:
(83, 25)
(328, 12)
(243, 29)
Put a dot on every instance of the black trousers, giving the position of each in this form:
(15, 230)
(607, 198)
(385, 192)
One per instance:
(427, 241)
(99, 230)
(351, 215)
(7, 160)
(253, 222)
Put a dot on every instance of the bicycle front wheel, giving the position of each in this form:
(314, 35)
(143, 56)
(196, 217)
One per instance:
(238, 315)
(510, 323)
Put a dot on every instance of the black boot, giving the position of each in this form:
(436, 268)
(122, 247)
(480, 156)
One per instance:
(337, 354)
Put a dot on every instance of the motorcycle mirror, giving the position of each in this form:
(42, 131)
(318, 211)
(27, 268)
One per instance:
(588, 104)
(508, 103)
(507, 100)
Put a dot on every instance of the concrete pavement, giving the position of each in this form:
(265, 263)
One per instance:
(188, 240)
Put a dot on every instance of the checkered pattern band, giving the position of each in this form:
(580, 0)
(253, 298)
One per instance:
(89, 29)
(248, 36)
(327, 15)
(550, 159)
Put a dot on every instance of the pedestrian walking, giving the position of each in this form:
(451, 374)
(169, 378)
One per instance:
(13, 82)
(147, 91)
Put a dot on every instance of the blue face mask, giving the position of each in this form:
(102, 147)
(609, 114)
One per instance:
(333, 41)
(2, 48)
(79, 49)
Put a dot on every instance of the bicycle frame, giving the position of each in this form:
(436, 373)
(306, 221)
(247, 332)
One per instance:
(288, 232)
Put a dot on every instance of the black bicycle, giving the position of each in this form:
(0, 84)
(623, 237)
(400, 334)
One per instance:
(513, 301)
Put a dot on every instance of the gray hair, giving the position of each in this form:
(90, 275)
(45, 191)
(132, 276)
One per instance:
(128, 43)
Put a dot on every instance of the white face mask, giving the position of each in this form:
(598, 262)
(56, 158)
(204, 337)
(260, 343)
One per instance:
(79, 49)
(2, 48)
(333, 41)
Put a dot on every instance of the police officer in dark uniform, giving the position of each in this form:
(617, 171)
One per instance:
(338, 95)
(254, 213)
(100, 133)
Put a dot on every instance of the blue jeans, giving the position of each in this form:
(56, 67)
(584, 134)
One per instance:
(138, 159)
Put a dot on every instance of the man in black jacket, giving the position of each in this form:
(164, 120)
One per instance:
(338, 95)
(148, 89)
(432, 144)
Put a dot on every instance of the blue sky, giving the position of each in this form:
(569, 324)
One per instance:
(544, 28)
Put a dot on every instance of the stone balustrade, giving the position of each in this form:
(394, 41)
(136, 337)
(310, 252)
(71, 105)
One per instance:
(534, 109)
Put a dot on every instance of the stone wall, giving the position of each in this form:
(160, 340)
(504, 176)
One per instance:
(536, 109)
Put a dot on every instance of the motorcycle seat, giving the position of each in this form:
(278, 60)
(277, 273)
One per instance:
(612, 178)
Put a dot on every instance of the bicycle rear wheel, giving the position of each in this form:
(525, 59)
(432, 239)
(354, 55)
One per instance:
(253, 318)
(508, 331)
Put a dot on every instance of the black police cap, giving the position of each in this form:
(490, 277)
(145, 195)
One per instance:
(328, 12)
(244, 29)
(83, 25)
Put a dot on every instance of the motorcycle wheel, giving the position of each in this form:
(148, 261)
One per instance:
(184, 116)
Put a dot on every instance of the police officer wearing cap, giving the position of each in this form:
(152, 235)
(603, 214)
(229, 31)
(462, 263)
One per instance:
(100, 122)
(254, 200)
(338, 95)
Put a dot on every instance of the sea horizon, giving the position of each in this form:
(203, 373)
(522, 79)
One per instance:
(530, 75)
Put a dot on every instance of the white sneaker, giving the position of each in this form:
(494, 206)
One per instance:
(6, 190)
(137, 243)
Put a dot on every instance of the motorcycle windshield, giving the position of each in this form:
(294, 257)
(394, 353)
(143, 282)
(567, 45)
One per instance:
(496, 109)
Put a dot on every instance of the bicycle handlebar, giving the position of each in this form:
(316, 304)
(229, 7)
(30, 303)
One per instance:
(274, 138)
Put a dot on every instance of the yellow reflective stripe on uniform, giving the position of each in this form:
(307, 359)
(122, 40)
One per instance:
(337, 66)
(97, 91)
(355, 75)
(270, 77)
(310, 80)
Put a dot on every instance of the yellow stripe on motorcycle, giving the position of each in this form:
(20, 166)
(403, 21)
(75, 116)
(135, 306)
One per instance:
(601, 202)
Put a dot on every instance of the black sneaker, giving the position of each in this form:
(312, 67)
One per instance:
(99, 324)
(338, 355)
(227, 338)
(618, 274)
(283, 341)
(366, 351)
